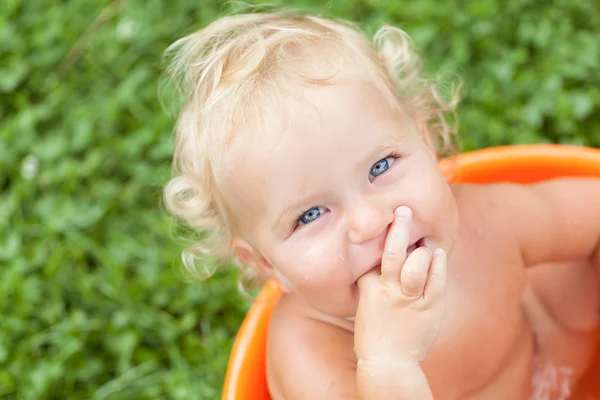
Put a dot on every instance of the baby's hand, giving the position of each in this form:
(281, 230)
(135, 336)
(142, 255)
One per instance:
(400, 309)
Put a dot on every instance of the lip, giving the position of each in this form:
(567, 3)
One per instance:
(416, 244)
(419, 243)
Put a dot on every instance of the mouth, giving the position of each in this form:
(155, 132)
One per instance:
(414, 246)
(409, 250)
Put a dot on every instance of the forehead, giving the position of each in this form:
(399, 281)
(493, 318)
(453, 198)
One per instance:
(330, 128)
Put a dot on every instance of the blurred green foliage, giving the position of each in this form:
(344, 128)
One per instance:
(93, 303)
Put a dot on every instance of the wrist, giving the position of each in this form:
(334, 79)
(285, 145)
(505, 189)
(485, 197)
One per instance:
(380, 368)
(391, 378)
(388, 362)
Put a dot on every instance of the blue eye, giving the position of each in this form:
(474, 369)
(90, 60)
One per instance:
(381, 166)
(311, 215)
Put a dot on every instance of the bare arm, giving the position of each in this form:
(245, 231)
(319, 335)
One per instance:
(321, 365)
(399, 317)
(317, 374)
(557, 220)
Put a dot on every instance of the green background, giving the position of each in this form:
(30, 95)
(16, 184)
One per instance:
(93, 300)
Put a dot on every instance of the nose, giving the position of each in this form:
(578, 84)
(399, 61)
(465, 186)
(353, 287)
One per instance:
(367, 220)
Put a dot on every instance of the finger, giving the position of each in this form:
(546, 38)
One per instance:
(368, 280)
(396, 242)
(436, 281)
(414, 272)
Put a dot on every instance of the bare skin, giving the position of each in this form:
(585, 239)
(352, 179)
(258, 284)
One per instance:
(505, 320)
(316, 204)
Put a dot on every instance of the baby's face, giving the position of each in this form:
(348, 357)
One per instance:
(316, 200)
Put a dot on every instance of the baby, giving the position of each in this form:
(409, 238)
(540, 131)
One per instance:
(311, 154)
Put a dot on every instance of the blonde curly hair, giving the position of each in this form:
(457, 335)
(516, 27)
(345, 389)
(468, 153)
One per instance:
(238, 66)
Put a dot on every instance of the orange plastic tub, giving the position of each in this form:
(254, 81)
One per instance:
(245, 378)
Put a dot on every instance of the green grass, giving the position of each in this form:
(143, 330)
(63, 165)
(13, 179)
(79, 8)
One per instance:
(93, 303)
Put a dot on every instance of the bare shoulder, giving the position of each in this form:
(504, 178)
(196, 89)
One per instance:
(552, 221)
(308, 358)
(482, 211)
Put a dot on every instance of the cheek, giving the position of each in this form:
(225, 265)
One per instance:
(426, 190)
(316, 261)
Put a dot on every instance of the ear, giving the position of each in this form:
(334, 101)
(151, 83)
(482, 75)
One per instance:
(254, 259)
